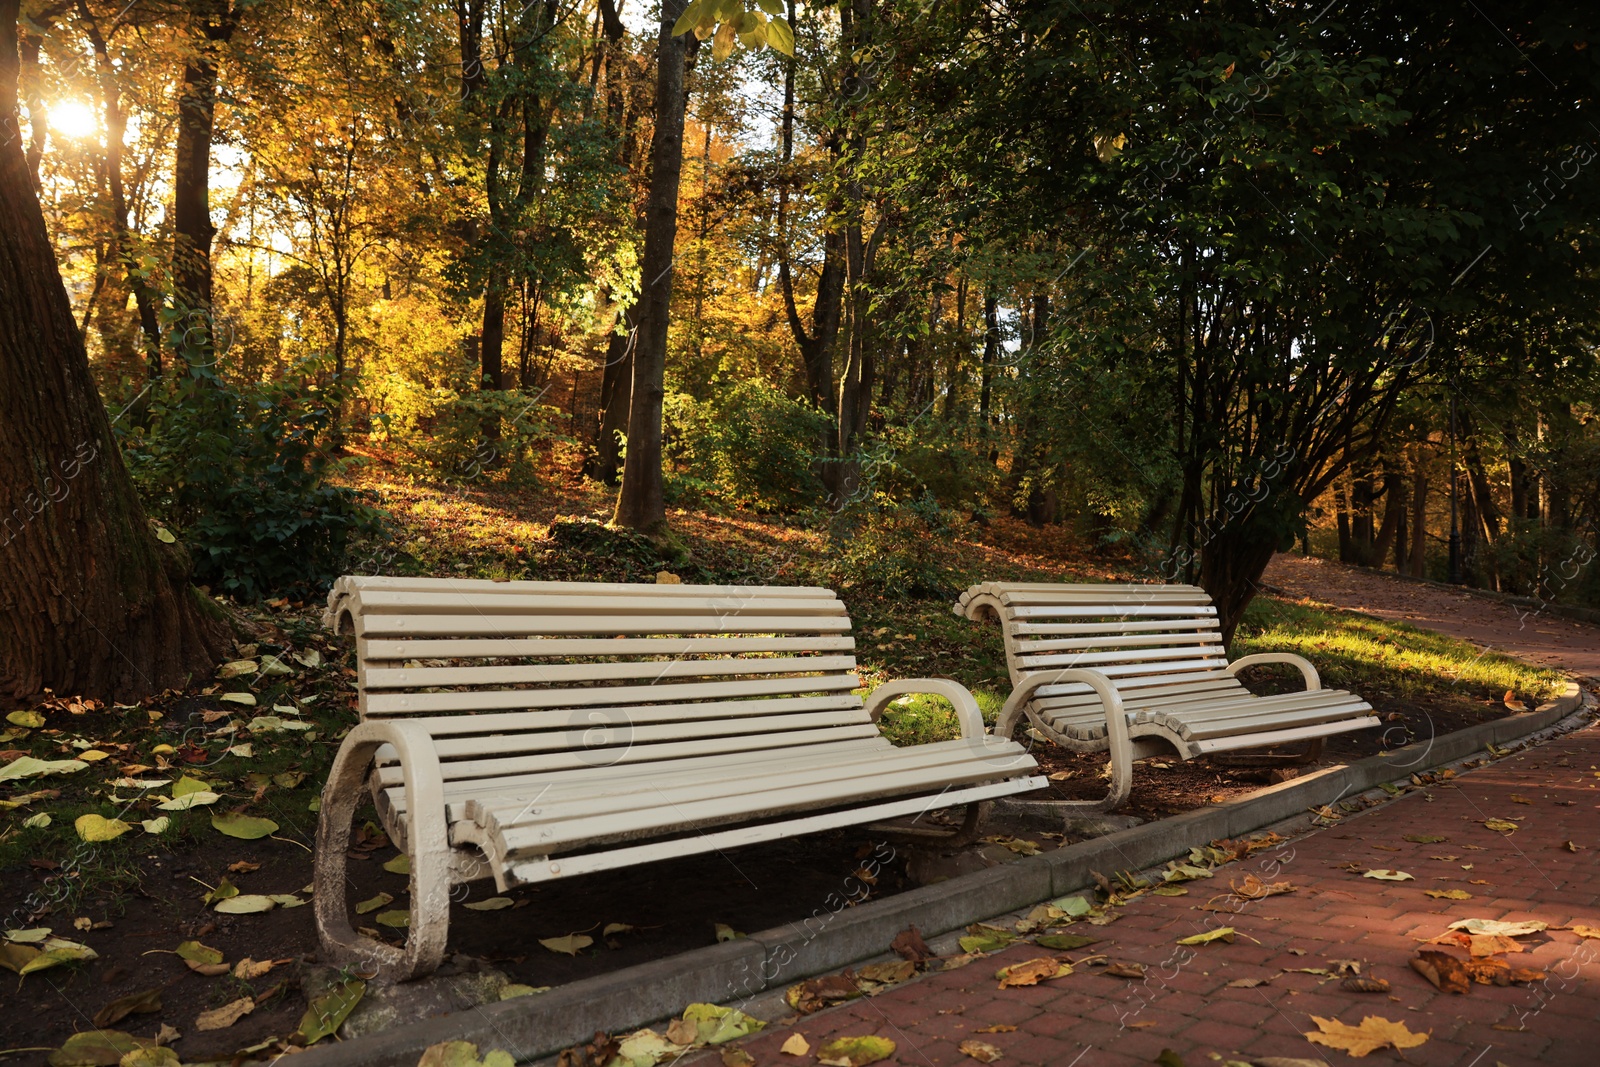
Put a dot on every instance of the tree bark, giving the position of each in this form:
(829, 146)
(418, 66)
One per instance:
(640, 501)
(90, 602)
(214, 21)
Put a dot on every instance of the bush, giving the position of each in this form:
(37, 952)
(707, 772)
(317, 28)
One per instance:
(242, 474)
(893, 548)
(749, 446)
(522, 437)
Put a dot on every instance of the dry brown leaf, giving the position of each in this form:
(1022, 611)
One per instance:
(1373, 1033)
(1586, 931)
(1124, 970)
(1247, 983)
(1253, 888)
(908, 944)
(981, 1051)
(683, 1032)
(1492, 944)
(1357, 984)
(1443, 970)
(1032, 972)
(248, 968)
(997, 1028)
(243, 867)
(795, 1045)
(733, 1056)
(225, 1016)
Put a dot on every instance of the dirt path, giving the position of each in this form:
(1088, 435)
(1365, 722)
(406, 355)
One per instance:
(1527, 635)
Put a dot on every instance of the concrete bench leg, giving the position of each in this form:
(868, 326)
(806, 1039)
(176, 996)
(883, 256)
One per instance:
(427, 836)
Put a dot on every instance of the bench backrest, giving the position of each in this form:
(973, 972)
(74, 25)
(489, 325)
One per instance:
(1139, 634)
(520, 677)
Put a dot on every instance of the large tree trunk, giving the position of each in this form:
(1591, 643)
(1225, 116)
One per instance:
(616, 387)
(90, 602)
(191, 181)
(640, 503)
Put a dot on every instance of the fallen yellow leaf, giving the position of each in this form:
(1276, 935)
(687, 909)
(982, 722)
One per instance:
(1373, 1033)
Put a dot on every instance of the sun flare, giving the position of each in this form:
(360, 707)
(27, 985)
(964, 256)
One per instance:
(74, 119)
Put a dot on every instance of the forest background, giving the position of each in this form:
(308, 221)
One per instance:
(1190, 287)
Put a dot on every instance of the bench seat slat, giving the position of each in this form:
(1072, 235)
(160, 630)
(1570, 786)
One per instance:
(1101, 611)
(1121, 658)
(540, 869)
(648, 789)
(1028, 649)
(462, 770)
(601, 829)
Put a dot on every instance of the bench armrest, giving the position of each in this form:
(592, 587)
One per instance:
(956, 693)
(427, 843)
(1313, 680)
(1110, 699)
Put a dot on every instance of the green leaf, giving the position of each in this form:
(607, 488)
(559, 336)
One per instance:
(726, 932)
(687, 20)
(722, 43)
(28, 767)
(57, 951)
(244, 827)
(224, 890)
(97, 1048)
(157, 825)
(397, 919)
(189, 800)
(771, 7)
(195, 952)
(982, 938)
(99, 828)
(855, 1051)
(1224, 934)
(780, 36)
(374, 903)
(717, 1024)
(29, 719)
(164, 535)
(245, 904)
(401, 864)
(1077, 907)
(186, 785)
(329, 1010)
(570, 945)
(491, 904)
(37, 822)
(514, 989)
(462, 1054)
(1426, 839)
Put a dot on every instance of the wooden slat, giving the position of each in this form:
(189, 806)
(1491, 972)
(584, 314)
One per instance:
(554, 673)
(1282, 737)
(452, 603)
(569, 738)
(1156, 658)
(502, 699)
(461, 770)
(489, 586)
(1098, 611)
(382, 649)
(648, 791)
(539, 869)
(526, 625)
(1027, 649)
(587, 831)
(506, 721)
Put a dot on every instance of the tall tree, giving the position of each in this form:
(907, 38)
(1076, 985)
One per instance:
(91, 601)
(640, 502)
(212, 23)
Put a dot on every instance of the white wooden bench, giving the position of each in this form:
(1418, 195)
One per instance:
(1140, 670)
(527, 731)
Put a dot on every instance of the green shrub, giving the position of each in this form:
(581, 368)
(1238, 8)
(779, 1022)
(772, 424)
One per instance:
(243, 475)
(893, 548)
(749, 446)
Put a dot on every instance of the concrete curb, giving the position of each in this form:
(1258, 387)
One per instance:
(836, 935)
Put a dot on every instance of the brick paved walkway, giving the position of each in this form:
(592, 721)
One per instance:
(1185, 1002)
